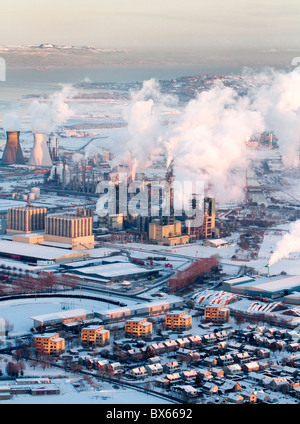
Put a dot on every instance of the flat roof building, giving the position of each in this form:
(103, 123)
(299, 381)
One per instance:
(264, 286)
(34, 253)
(60, 318)
(115, 272)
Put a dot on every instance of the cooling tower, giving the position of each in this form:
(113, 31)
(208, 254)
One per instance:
(12, 153)
(40, 155)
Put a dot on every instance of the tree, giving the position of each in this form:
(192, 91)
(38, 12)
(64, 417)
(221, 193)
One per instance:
(239, 319)
(22, 367)
(12, 369)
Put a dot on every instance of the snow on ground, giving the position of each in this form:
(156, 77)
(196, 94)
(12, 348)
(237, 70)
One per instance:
(105, 394)
(18, 312)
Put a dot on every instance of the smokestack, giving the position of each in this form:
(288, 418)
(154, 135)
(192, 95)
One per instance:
(13, 153)
(40, 155)
(57, 148)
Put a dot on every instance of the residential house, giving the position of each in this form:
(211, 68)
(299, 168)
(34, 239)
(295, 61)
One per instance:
(186, 390)
(195, 340)
(158, 348)
(171, 367)
(170, 345)
(217, 372)
(262, 397)
(280, 384)
(242, 357)
(209, 338)
(232, 369)
(249, 395)
(225, 360)
(138, 373)
(250, 367)
(221, 335)
(154, 369)
(234, 398)
(184, 342)
(292, 347)
(203, 373)
(230, 386)
(189, 375)
(263, 353)
(115, 366)
(101, 365)
(210, 388)
(173, 378)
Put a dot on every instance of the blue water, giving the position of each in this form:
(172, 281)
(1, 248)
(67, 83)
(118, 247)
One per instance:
(21, 83)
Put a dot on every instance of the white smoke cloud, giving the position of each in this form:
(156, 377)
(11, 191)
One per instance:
(78, 158)
(59, 171)
(279, 104)
(289, 243)
(47, 116)
(11, 122)
(144, 117)
(209, 140)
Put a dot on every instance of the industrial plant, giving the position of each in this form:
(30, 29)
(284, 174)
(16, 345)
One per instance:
(134, 279)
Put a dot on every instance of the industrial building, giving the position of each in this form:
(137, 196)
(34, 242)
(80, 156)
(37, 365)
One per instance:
(115, 272)
(167, 234)
(73, 230)
(68, 231)
(25, 219)
(263, 286)
(146, 309)
(58, 319)
(31, 253)
(208, 227)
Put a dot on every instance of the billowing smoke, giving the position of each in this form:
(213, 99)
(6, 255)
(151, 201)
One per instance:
(289, 243)
(11, 122)
(78, 158)
(47, 116)
(279, 104)
(144, 117)
(61, 171)
(208, 141)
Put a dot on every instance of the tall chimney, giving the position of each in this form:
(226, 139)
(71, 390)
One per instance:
(40, 155)
(13, 152)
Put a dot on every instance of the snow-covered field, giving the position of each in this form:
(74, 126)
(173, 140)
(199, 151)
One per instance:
(18, 312)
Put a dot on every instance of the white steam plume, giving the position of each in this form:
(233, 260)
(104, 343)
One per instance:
(47, 116)
(289, 243)
(11, 122)
(279, 104)
(144, 118)
(209, 140)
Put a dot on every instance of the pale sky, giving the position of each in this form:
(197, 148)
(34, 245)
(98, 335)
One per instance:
(180, 24)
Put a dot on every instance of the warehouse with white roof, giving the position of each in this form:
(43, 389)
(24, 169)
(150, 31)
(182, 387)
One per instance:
(264, 286)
